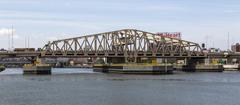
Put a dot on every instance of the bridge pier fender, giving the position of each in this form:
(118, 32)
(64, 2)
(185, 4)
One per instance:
(143, 66)
(115, 60)
(38, 67)
(202, 65)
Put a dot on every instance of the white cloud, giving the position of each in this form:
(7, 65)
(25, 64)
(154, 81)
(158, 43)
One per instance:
(6, 32)
(16, 36)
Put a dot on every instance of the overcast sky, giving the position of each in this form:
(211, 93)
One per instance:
(47, 20)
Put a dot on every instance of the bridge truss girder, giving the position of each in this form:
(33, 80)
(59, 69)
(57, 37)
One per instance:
(122, 43)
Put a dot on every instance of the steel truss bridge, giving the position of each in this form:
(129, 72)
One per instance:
(128, 43)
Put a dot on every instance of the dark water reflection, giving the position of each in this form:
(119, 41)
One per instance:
(84, 87)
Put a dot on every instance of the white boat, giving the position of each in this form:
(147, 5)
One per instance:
(231, 67)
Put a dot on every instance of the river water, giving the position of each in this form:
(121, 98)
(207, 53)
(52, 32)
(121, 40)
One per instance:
(84, 87)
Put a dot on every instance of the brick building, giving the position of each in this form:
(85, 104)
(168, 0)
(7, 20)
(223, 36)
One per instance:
(236, 47)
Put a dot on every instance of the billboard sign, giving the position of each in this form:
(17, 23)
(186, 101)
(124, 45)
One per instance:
(177, 35)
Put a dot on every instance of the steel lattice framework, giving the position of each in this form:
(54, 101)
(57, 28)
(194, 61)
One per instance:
(122, 43)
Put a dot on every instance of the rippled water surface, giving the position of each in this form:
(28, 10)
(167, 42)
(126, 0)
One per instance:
(84, 87)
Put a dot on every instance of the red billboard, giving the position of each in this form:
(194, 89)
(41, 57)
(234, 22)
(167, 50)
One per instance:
(170, 34)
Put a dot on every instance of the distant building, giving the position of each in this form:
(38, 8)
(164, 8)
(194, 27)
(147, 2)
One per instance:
(214, 50)
(236, 47)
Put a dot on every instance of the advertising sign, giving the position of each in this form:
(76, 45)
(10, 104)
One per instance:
(170, 34)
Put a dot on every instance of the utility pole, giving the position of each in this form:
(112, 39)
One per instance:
(12, 38)
(213, 44)
(206, 41)
(228, 43)
(28, 42)
(25, 42)
(9, 42)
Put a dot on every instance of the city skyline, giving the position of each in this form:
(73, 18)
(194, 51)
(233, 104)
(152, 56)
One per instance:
(42, 21)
